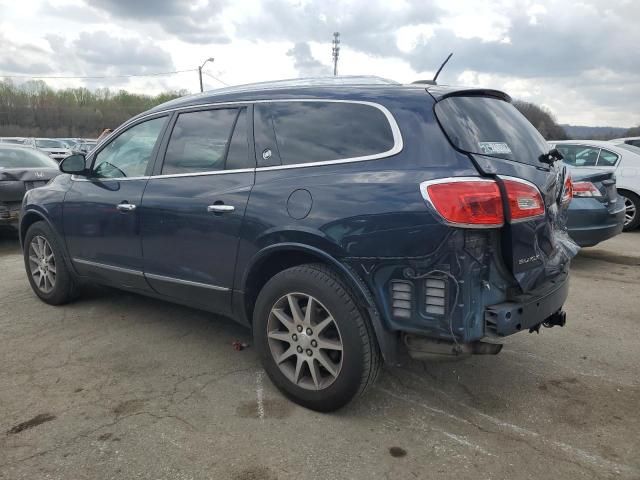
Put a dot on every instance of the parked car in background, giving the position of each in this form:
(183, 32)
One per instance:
(56, 149)
(21, 169)
(13, 140)
(596, 212)
(344, 220)
(635, 141)
(623, 160)
(84, 146)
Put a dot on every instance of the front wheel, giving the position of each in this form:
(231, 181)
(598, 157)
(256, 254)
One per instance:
(315, 344)
(47, 272)
(631, 212)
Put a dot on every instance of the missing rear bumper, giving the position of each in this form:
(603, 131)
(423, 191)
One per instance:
(424, 348)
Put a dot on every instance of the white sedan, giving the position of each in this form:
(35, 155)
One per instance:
(621, 158)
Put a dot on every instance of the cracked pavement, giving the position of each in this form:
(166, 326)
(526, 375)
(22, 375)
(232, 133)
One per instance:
(122, 386)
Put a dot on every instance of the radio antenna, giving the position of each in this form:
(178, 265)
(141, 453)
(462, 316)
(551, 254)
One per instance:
(441, 67)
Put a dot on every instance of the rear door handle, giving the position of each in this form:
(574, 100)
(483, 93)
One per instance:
(126, 207)
(220, 208)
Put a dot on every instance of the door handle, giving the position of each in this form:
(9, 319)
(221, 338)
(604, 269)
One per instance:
(126, 207)
(220, 208)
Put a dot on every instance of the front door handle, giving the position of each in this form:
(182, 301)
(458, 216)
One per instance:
(126, 207)
(220, 208)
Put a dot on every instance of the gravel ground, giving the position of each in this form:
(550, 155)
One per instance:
(121, 386)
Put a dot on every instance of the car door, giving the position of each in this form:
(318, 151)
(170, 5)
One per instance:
(101, 213)
(193, 206)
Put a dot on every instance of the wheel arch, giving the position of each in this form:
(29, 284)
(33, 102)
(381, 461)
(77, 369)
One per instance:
(276, 258)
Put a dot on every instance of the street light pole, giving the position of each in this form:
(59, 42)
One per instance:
(210, 59)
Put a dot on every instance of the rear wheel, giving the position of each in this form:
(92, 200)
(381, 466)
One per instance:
(47, 272)
(631, 206)
(315, 344)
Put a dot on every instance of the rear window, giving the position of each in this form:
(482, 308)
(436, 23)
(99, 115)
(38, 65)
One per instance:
(21, 157)
(492, 127)
(307, 132)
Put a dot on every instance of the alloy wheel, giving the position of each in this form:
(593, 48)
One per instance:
(629, 211)
(305, 341)
(42, 264)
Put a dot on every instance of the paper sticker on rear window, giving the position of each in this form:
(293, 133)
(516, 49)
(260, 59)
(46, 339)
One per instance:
(494, 148)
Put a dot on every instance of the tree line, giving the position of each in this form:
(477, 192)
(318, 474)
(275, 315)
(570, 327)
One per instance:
(33, 109)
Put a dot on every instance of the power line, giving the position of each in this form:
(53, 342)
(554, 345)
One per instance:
(39, 77)
(215, 78)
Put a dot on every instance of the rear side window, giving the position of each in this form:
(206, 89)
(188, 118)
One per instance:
(492, 127)
(579, 155)
(607, 158)
(635, 143)
(307, 132)
(199, 141)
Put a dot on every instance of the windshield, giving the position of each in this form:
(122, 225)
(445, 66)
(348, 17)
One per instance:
(630, 148)
(24, 158)
(492, 127)
(45, 143)
(15, 141)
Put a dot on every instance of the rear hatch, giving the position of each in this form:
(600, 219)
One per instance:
(14, 182)
(502, 143)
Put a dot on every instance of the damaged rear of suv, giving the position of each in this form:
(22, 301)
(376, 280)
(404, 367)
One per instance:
(346, 221)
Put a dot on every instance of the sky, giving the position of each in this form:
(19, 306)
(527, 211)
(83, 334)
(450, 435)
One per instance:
(580, 59)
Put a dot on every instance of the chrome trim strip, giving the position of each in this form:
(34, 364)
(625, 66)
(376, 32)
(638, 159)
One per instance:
(108, 267)
(425, 195)
(398, 143)
(185, 282)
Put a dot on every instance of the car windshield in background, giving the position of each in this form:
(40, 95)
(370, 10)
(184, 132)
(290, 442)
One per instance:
(13, 141)
(629, 148)
(24, 158)
(492, 127)
(49, 144)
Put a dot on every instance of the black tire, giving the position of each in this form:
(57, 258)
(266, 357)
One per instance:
(64, 289)
(635, 200)
(361, 359)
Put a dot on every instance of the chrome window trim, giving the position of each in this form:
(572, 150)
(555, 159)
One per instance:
(398, 143)
(163, 278)
(108, 267)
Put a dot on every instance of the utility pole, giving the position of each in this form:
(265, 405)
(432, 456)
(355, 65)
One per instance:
(336, 52)
(210, 59)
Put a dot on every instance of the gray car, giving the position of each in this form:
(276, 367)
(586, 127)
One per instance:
(596, 212)
(21, 169)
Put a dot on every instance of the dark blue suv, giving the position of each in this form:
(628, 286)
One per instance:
(346, 221)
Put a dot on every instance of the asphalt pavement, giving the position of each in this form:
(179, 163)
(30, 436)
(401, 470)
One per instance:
(119, 386)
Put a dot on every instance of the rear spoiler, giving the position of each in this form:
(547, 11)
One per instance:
(439, 92)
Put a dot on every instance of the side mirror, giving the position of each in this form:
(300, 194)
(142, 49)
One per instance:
(74, 164)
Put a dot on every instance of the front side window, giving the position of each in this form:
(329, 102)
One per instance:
(578, 155)
(199, 141)
(307, 132)
(129, 153)
(607, 159)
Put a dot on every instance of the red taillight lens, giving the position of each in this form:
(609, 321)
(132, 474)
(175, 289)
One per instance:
(567, 193)
(524, 199)
(585, 189)
(466, 202)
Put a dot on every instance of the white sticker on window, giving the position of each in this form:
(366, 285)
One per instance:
(494, 148)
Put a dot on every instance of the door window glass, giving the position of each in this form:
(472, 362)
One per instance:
(199, 141)
(238, 156)
(129, 153)
(307, 132)
(578, 155)
(607, 159)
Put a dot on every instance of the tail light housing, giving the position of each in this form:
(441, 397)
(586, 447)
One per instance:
(466, 201)
(567, 192)
(474, 202)
(585, 189)
(524, 199)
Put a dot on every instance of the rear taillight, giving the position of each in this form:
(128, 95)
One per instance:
(477, 202)
(567, 191)
(466, 201)
(525, 201)
(585, 189)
